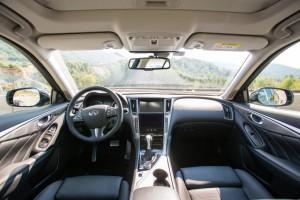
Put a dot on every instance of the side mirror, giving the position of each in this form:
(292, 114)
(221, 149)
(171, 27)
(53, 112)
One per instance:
(269, 96)
(149, 63)
(27, 97)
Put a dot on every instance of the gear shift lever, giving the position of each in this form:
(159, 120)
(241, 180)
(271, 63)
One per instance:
(149, 142)
(148, 152)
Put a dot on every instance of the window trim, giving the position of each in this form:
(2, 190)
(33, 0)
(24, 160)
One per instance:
(243, 94)
(39, 66)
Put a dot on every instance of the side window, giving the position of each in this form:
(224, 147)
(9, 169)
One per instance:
(22, 86)
(282, 73)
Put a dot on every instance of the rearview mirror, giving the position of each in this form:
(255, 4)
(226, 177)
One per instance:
(150, 63)
(27, 97)
(269, 96)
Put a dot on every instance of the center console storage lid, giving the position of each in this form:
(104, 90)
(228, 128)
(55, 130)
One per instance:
(155, 192)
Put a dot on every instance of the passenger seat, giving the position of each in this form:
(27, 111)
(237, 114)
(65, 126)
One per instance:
(218, 182)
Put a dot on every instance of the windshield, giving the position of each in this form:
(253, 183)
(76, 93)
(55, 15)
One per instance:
(196, 70)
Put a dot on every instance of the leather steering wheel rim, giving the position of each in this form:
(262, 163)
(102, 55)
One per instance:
(111, 132)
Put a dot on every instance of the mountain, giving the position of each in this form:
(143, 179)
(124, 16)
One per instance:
(275, 71)
(278, 71)
(91, 57)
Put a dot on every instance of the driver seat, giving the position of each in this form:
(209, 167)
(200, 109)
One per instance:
(87, 188)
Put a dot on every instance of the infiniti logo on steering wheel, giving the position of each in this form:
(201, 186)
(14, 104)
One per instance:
(93, 112)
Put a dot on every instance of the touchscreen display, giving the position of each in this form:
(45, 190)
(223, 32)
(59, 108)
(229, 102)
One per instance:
(151, 106)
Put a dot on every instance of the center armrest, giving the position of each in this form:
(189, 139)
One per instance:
(155, 192)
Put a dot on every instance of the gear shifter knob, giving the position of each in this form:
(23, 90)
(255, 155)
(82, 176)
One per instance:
(149, 142)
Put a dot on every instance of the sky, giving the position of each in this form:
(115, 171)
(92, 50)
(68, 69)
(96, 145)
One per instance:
(234, 57)
(290, 57)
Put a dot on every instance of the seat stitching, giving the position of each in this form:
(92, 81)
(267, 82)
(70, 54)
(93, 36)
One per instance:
(218, 191)
(120, 185)
(62, 182)
(183, 179)
(242, 187)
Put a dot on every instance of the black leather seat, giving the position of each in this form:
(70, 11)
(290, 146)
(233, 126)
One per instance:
(218, 182)
(87, 188)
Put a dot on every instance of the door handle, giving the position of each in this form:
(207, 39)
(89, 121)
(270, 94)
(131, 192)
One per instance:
(44, 121)
(255, 118)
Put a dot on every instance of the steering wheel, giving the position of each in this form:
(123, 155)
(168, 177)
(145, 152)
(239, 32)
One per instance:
(95, 117)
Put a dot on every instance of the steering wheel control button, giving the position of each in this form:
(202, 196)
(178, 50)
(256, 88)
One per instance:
(78, 117)
(111, 112)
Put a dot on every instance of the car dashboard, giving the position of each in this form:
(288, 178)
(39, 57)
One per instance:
(158, 116)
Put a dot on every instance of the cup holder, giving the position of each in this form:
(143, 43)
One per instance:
(161, 178)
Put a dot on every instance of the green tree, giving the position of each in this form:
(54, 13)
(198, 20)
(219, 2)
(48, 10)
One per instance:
(83, 74)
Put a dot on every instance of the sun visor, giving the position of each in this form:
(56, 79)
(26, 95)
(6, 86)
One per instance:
(82, 41)
(225, 42)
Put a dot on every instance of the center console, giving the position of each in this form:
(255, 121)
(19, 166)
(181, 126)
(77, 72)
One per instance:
(151, 119)
(151, 115)
(153, 177)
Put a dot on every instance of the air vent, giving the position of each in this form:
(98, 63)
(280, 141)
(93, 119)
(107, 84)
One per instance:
(228, 112)
(125, 110)
(156, 3)
(168, 105)
(133, 103)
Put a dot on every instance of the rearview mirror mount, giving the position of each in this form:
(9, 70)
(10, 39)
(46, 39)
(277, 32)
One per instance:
(149, 63)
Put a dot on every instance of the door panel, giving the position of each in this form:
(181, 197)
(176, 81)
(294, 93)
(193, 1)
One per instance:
(22, 156)
(271, 151)
(284, 116)
(15, 150)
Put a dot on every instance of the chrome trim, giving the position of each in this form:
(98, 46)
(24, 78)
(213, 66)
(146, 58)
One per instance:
(167, 121)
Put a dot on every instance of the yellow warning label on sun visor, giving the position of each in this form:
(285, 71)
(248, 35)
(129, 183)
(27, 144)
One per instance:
(227, 45)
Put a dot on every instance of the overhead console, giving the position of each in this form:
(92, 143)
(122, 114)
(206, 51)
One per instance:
(154, 41)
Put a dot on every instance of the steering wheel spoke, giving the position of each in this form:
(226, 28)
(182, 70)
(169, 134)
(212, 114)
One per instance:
(97, 132)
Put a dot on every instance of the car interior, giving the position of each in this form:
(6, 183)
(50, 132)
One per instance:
(149, 99)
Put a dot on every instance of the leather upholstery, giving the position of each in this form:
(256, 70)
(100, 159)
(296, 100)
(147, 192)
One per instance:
(218, 182)
(88, 188)
(155, 193)
(210, 177)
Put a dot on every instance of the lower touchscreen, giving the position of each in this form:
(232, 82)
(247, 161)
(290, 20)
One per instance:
(151, 123)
